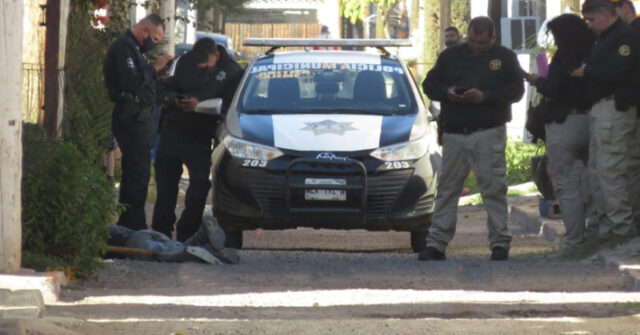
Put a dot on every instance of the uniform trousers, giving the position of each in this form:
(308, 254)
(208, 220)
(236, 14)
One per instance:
(134, 130)
(612, 134)
(567, 147)
(634, 175)
(482, 152)
(175, 149)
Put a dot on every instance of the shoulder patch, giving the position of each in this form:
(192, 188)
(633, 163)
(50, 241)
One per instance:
(221, 76)
(624, 50)
(495, 65)
(130, 63)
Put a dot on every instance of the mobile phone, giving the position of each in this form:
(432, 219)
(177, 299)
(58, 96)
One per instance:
(459, 90)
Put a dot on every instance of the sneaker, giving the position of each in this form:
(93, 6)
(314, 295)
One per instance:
(499, 254)
(431, 254)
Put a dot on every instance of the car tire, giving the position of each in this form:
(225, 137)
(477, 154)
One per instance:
(419, 240)
(233, 239)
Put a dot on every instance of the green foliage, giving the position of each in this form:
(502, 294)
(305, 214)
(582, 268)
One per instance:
(460, 15)
(87, 117)
(355, 10)
(66, 206)
(518, 155)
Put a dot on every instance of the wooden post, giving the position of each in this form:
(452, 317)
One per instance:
(10, 135)
(51, 87)
(445, 19)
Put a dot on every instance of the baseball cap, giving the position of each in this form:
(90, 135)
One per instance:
(593, 4)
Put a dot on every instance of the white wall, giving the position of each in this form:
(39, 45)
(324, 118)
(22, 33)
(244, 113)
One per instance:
(479, 8)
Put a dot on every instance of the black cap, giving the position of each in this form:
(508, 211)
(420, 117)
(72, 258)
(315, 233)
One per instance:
(590, 5)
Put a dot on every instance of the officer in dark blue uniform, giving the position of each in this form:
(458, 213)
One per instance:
(626, 11)
(609, 73)
(476, 82)
(131, 82)
(206, 72)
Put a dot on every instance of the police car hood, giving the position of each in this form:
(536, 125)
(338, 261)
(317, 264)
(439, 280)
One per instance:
(326, 132)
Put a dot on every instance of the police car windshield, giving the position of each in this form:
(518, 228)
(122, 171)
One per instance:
(366, 87)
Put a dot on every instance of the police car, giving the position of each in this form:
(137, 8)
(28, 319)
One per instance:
(326, 139)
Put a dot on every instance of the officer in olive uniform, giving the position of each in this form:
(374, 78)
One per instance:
(205, 72)
(131, 82)
(608, 73)
(476, 82)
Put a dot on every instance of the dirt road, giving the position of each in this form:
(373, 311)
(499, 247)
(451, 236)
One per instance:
(355, 282)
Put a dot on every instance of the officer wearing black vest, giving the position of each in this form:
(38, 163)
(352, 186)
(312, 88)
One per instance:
(205, 72)
(131, 82)
(476, 83)
(609, 72)
(626, 11)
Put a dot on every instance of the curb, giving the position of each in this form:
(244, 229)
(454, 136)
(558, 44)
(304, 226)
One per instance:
(550, 229)
(629, 265)
(25, 294)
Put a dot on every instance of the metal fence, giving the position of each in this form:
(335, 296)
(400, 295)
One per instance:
(32, 91)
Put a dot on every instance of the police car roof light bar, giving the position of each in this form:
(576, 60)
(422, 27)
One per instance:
(276, 43)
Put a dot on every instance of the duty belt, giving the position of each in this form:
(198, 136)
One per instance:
(129, 97)
(463, 130)
(578, 111)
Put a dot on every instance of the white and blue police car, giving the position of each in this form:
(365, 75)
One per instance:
(326, 139)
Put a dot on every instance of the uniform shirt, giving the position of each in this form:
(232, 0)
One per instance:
(126, 70)
(496, 74)
(561, 90)
(189, 80)
(612, 64)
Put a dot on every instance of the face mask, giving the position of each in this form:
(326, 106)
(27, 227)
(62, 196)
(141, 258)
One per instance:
(147, 44)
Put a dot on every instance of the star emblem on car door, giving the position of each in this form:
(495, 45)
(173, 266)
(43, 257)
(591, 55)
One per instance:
(328, 127)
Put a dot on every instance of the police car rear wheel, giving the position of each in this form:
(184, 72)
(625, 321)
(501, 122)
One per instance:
(419, 240)
(233, 239)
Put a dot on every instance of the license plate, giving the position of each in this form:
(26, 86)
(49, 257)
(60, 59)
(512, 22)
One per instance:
(325, 181)
(325, 195)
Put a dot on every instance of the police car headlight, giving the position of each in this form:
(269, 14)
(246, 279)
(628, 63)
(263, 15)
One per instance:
(244, 149)
(403, 152)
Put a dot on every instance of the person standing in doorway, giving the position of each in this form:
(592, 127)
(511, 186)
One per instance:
(476, 82)
(131, 82)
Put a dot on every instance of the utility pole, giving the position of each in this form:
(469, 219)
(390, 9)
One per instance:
(51, 83)
(168, 12)
(445, 18)
(10, 135)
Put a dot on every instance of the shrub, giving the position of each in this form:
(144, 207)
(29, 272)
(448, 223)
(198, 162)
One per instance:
(66, 206)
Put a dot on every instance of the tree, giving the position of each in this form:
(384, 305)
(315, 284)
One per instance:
(210, 12)
(10, 135)
(355, 10)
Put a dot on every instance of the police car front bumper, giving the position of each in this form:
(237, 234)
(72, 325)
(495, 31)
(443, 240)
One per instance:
(335, 194)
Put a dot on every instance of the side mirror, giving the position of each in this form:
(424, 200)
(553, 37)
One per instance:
(210, 107)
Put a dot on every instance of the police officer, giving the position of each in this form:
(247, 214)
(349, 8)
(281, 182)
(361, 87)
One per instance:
(608, 72)
(626, 11)
(205, 72)
(476, 82)
(131, 82)
(567, 127)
